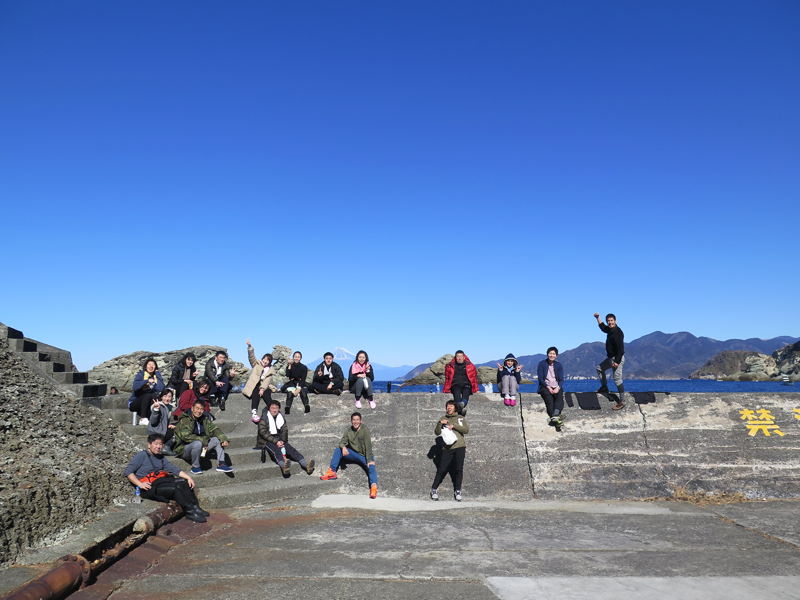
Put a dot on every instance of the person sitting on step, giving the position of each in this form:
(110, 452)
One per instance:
(297, 373)
(220, 373)
(509, 376)
(328, 377)
(147, 385)
(550, 373)
(160, 420)
(356, 447)
(160, 480)
(461, 379)
(259, 383)
(183, 374)
(360, 379)
(200, 392)
(273, 437)
(196, 434)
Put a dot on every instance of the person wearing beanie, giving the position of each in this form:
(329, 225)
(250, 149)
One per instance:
(509, 376)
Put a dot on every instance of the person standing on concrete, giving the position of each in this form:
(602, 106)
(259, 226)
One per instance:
(147, 385)
(453, 426)
(355, 446)
(328, 377)
(360, 379)
(550, 373)
(273, 437)
(509, 376)
(296, 386)
(220, 374)
(160, 480)
(615, 351)
(183, 374)
(195, 434)
(461, 379)
(259, 382)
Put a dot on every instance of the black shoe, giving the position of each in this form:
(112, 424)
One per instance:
(287, 410)
(603, 390)
(167, 452)
(310, 466)
(222, 404)
(263, 455)
(196, 508)
(338, 392)
(195, 516)
(306, 408)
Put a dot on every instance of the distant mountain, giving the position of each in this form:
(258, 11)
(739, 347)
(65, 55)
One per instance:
(654, 356)
(345, 358)
(416, 371)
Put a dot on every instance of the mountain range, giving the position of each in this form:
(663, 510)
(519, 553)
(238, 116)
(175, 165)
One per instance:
(656, 355)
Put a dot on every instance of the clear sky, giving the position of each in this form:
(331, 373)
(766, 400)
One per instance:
(409, 178)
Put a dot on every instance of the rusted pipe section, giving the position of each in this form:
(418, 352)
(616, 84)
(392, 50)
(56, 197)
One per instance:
(141, 528)
(73, 571)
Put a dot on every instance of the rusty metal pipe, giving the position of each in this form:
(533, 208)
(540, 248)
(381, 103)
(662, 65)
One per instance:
(73, 571)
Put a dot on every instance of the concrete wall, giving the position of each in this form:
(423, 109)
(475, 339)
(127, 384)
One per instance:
(698, 441)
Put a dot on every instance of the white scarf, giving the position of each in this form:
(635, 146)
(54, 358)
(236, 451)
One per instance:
(273, 426)
(326, 371)
(264, 373)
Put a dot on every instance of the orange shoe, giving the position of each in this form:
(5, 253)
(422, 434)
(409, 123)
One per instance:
(331, 474)
(373, 491)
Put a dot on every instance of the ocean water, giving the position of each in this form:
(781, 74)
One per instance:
(641, 385)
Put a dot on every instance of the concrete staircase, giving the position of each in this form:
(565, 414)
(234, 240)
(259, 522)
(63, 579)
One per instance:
(251, 483)
(54, 364)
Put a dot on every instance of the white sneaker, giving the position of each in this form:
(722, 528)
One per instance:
(144, 421)
(255, 418)
(457, 495)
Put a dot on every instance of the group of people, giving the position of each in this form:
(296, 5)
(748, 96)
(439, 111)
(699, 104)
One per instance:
(189, 430)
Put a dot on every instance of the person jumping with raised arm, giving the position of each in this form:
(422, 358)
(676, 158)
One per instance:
(615, 351)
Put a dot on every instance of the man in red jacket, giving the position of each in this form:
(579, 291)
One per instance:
(461, 379)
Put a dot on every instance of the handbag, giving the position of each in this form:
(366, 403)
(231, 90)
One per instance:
(153, 475)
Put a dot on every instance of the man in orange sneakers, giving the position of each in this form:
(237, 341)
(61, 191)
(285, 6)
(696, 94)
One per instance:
(355, 446)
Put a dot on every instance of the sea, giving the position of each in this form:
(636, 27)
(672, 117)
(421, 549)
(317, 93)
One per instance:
(639, 385)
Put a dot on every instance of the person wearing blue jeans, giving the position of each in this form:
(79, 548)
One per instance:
(355, 446)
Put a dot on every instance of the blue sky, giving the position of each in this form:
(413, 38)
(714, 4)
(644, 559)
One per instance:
(408, 178)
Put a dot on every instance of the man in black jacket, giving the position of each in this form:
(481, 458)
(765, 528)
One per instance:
(273, 437)
(220, 373)
(615, 351)
(328, 377)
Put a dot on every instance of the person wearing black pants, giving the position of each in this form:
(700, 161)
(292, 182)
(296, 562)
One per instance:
(147, 386)
(183, 374)
(273, 437)
(453, 454)
(259, 382)
(550, 373)
(296, 386)
(461, 379)
(160, 480)
(328, 377)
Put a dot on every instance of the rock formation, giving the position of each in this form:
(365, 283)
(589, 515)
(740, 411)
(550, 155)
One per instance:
(62, 460)
(120, 371)
(741, 365)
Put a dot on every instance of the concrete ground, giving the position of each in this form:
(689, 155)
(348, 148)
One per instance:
(343, 546)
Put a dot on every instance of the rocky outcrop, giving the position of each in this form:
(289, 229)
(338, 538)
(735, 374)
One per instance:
(120, 371)
(61, 460)
(752, 366)
(723, 364)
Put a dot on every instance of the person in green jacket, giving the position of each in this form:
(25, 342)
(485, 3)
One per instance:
(453, 455)
(355, 446)
(195, 434)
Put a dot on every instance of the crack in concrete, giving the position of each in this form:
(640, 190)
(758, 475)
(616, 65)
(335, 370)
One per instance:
(488, 538)
(658, 468)
(406, 565)
(772, 538)
(525, 448)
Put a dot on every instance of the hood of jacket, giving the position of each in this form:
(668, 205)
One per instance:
(510, 356)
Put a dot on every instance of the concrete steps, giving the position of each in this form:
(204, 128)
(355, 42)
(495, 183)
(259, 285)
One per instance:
(52, 363)
(278, 490)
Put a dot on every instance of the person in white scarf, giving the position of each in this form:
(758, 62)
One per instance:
(273, 437)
